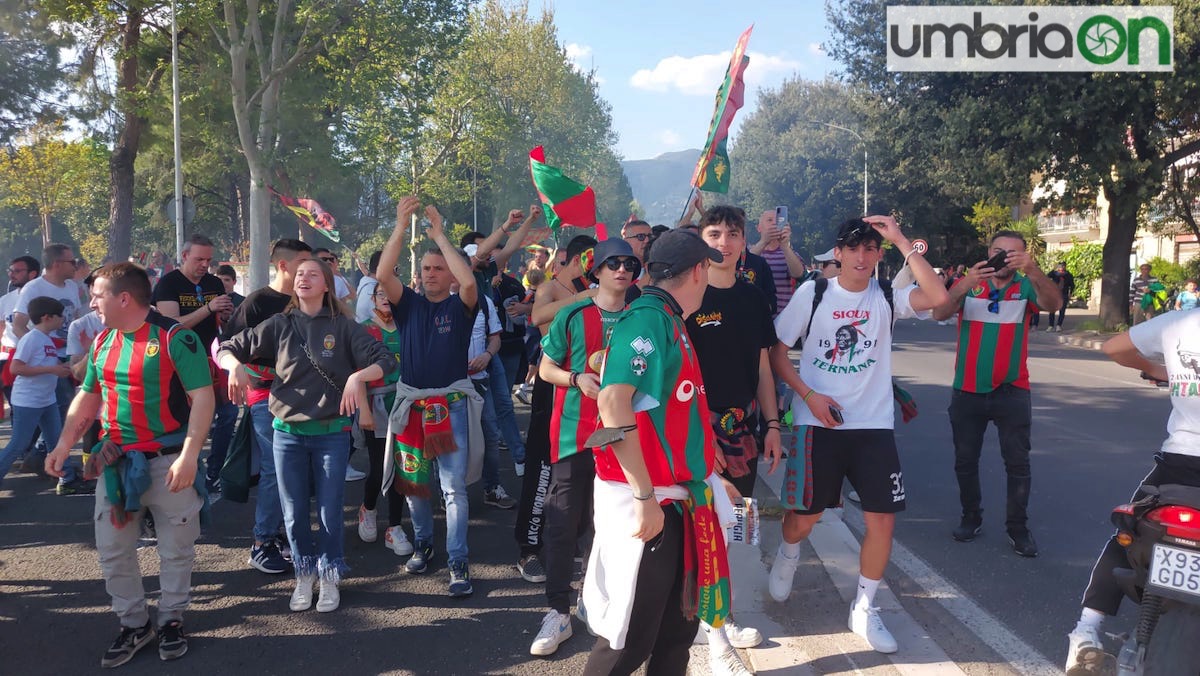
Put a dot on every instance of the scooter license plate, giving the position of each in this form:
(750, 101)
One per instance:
(1176, 569)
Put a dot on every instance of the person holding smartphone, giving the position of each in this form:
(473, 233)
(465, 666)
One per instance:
(843, 411)
(775, 246)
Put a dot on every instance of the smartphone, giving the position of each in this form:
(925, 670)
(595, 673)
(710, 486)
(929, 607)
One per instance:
(781, 216)
(998, 262)
(836, 415)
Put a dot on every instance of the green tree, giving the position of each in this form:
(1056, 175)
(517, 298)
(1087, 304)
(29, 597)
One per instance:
(49, 175)
(30, 65)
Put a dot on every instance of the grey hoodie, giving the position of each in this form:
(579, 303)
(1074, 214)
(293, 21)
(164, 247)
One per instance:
(299, 392)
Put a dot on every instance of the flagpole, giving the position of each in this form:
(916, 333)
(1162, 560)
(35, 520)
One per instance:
(686, 207)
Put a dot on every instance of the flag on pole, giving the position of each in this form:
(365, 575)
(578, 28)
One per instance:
(311, 213)
(566, 200)
(712, 169)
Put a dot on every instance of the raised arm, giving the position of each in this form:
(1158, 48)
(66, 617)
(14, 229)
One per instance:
(1049, 295)
(974, 276)
(489, 243)
(514, 241)
(932, 293)
(467, 290)
(386, 272)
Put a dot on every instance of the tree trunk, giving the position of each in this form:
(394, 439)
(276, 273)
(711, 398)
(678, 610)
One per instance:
(260, 229)
(1114, 282)
(120, 163)
(46, 221)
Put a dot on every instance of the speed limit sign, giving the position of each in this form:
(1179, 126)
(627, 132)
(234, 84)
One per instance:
(920, 246)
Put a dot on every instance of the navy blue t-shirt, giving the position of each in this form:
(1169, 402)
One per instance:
(434, 339)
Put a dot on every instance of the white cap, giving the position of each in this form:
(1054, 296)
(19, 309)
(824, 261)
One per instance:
(825, 257)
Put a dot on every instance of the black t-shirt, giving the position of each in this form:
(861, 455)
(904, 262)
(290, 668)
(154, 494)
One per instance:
(191, 297)
(512, 333)
(257, 308)
(756, 270)
(729, 330)
(1065, 279)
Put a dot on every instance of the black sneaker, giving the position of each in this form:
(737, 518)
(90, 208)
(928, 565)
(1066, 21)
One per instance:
(1022, 542)
(531, 569)
(266, 557)
(172, 643)
(460, 580)
(131, 640)
(969, 527)
(422, 555)
(498, 497)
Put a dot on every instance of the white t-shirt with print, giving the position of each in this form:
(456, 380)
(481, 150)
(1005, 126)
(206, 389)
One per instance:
(89, 324)
(36, 349)
(479, 334)
(68, 295)
(848, 354)
(1176, 337)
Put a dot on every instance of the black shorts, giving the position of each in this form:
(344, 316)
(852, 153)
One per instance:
(868, 458)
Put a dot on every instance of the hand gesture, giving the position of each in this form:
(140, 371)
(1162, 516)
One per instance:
(181, 474)
(350, 393)
(239, 382)
(819, 404)
(773, 448)
(55, 461)
(221, 304)
(1021, 260)
(514, 217)
(405, 210)
(888, 227)
(436, 232)
(589, 384)
(535, 212)
(698, 203)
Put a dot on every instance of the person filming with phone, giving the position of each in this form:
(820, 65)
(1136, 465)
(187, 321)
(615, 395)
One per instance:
(775, 246)
(843, 410)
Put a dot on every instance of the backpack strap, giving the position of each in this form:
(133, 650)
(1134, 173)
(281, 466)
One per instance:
(818, 293)
(888, 293)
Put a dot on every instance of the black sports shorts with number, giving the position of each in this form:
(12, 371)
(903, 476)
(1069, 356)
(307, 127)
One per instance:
(868, 458)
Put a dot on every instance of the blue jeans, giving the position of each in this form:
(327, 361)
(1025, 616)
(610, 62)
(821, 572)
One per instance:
(491, 437)
(25, 423)
(305, 462)
(224, 420)
(268, 512)
(452, 472)
(500, 384)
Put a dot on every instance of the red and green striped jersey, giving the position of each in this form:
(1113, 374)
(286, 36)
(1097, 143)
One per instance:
(650, 350)
(576, 341)
(143, 377)
(993, 336)
(390, 340)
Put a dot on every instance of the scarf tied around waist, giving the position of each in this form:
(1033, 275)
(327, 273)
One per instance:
(427, 435)
(735, 438)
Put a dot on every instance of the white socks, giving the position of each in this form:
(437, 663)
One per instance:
(717, 641)
(1091, 618)
(790, 549)
(866, 592)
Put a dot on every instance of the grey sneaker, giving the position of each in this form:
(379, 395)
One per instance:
(498, 497)
(128, 643)
(531, 569)
(172, 643)
(460, 579)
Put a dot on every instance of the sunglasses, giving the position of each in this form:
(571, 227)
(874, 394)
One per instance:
(856, 235)
(327, 260)
(631, 265)
(994, 305)
(641, 236)
(836, 264)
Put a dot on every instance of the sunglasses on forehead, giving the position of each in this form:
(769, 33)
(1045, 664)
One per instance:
(855, 235)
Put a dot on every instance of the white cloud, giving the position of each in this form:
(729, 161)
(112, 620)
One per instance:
(701, 75)
(669, 137)
(580, 57)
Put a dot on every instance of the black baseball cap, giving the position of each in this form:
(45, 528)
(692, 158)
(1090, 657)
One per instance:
(677, 251)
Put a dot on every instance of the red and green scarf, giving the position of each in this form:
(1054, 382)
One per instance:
(427, 435)
(706, 589)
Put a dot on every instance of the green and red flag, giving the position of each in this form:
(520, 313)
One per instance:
(566, 200)
(311, 213)
(712, 169)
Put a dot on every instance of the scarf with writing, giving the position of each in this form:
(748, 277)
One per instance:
(731, 429)
(427, 435)
(706, 591)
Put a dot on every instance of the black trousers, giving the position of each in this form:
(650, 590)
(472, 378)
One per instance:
(531, 519)
(1010, 409)
(568, 520)
(658, 631)
(1103, 593)
(375, 452)
(1062, 313)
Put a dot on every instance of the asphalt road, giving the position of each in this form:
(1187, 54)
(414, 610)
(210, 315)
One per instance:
(1096, 426)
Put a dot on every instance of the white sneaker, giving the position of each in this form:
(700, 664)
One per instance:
(727, 662)
(330, 597)
(397, 541)
(302, 596)
(741, 637)
(354, 475)
(779, 582)
(368, 528)
(866, 623)
(1085, 654)
(556, 628)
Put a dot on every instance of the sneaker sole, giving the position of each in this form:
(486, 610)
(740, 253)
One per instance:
(959, 538)
(547, 651)
(535, 579)
(168, 655)
(462, 594)
(259, 566)
(125, 658)
(405, 549)
(1093, 662)
(499, 505)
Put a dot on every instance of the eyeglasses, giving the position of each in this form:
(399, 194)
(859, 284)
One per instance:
(17, 271)
(641, 236)
(994, 305)
(836, 264)
(631, 265)
(327, 259)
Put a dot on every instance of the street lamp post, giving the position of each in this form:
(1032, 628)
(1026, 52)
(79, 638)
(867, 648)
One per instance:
(858, 136)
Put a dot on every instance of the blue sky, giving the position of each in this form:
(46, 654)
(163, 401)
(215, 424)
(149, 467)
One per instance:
(659, 62)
